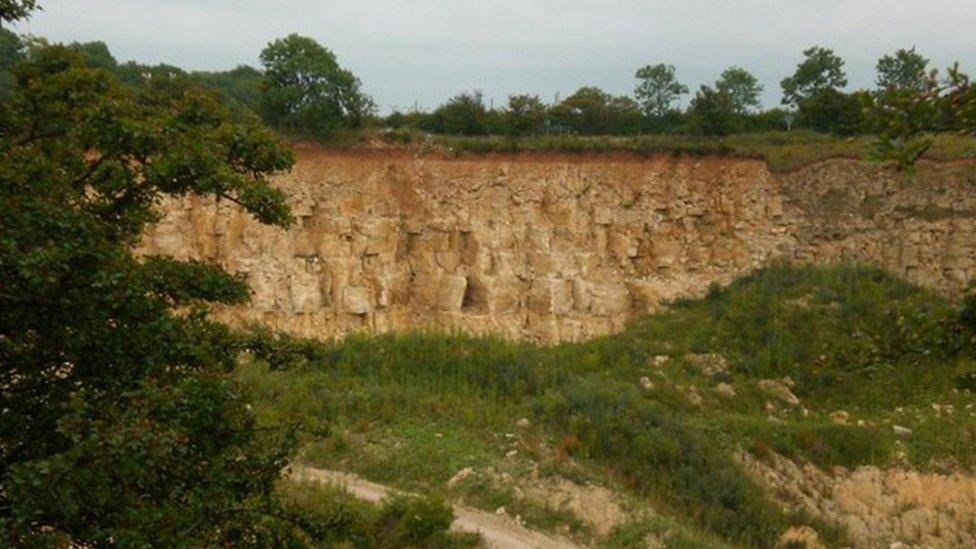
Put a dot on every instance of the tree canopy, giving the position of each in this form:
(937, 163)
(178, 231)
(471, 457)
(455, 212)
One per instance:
(119, 425)
(16, 10)
(307, 91)
(820, 69)
(525, 114)
(713, 111)
(741, 87)
(905, 69)
(658, 89)
(463, 114)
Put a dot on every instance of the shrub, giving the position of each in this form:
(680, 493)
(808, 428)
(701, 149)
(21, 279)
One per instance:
(412, 521)
(832, 111)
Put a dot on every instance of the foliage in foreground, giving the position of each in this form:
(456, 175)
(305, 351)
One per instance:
(414, 409)
(119, 424)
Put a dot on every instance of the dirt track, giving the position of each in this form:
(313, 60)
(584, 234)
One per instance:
(498, 532)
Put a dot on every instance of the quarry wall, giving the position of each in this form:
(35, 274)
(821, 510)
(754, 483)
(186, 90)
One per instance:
(555, 247)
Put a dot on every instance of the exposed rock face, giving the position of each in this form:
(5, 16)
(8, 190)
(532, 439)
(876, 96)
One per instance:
(558, 247)
(878, 508)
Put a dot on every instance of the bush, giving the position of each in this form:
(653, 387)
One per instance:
(832, 111)
(464, 114)
(412, 521)
(713, 112)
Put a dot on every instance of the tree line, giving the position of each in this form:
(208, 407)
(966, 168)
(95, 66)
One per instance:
(813, 98)
(302, 89)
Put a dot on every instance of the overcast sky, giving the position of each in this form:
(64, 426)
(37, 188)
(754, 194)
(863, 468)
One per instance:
(424, 51)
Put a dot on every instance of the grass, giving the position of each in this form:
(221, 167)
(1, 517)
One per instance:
(782, 151)
(412, 410)
(337, 519)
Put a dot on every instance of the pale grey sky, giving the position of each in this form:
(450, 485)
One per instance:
(428, 50)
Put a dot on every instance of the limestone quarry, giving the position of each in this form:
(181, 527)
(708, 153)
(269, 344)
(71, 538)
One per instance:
(562, 247)
(557, 247)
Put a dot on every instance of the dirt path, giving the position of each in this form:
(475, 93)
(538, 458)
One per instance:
(498, 532)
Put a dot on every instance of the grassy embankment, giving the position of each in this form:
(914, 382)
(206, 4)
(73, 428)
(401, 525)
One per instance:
(413, 410)
(783, 151)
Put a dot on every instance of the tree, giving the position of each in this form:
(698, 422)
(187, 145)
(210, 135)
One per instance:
(96, 55)
(240, 88)
(119, 424)
(741, 87)
(831, 111)
(624, 116)
(463, 114)
(11, 53)
(585, 111)
(525, 114)
(713, 112)
(307, 91)
(906, 69)
(821, 69)
(15, 10)
(658, 89)
(134, 73)
(906, 119)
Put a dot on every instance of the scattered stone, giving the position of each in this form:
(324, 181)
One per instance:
(710, 364)
(501, 511)
(901, 431)
(511, 454)
(780, 390)
(523, 423)
(694, 396)
(840, 417)
(773, 419)
(646, 384)
(800, 536)
(660, 361)
(460, 477)
(770, 407)
(726, 390)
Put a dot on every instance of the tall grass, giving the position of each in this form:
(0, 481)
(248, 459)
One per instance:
(783, 151)
(850, 336)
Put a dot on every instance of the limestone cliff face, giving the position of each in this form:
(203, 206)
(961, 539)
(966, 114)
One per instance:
(558, 247)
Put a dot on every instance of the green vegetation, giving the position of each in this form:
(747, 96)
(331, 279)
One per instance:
(336, 518)
(782, 151)
(306, 91)
(906, 69)
(120, 422)
(413, 410)
(658, 89)
(821, 69)
(125, 416)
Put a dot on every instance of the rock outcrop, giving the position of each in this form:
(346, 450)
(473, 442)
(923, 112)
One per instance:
(558, 246)
(878, 508)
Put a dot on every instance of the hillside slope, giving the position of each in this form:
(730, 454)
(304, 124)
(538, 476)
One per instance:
(799, 401)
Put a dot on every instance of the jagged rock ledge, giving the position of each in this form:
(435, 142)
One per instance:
(555, 247)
